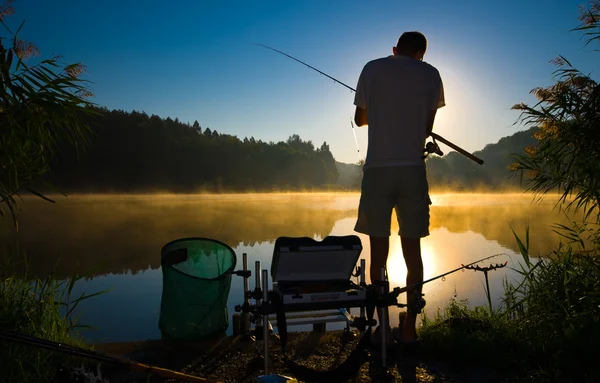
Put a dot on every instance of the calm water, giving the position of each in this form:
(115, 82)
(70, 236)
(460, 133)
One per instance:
(118, 238)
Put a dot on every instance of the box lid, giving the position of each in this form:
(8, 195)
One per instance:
(306, 259)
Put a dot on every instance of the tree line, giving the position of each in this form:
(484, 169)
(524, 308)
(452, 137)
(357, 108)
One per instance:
(132, 151)
(456, 172)
(137, 152)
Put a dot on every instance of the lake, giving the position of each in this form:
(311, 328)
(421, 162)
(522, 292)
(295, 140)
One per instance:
(118, 239)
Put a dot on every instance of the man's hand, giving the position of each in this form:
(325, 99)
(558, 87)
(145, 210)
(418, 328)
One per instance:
(360, 117)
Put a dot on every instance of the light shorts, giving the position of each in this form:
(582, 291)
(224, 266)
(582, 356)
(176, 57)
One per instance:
(402, 187)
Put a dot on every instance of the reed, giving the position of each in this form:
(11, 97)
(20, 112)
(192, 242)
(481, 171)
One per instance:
(548, 325)
(42, 308)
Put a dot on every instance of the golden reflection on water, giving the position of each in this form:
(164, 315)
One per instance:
(121, 234)
(463, 229)
(442, 251)
(116, 233)
(113, 234)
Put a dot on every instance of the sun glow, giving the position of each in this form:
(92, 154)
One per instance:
(397, 267)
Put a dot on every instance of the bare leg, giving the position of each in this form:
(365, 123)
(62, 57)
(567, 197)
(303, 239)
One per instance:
(411, 248)
(379, 254)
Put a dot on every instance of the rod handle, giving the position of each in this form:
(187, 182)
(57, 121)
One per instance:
(457, 148)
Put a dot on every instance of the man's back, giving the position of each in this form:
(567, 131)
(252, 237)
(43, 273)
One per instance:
(397, 97)
(398, 93)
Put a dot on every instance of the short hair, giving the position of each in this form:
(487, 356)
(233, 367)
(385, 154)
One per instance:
(412, 42)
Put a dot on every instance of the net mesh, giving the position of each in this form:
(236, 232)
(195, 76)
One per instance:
(196, 283)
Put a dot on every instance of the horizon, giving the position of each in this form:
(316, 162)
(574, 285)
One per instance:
(194, 61)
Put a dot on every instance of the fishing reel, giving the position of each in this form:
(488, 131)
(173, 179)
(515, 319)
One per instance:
(420, 304)
(432, 147)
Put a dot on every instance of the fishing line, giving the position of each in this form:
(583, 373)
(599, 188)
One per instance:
(355, 140)
(433, 135)
(302, 62)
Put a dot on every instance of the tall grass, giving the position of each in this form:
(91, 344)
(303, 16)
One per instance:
(465, 336)
(548, 327)
(557, 307)
(42, 308)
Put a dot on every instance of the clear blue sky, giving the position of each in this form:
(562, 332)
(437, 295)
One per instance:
(193, 60)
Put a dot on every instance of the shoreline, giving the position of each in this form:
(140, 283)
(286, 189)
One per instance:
(235, 359)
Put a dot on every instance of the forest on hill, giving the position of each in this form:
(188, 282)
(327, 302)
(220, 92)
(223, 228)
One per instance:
(137, 152)
(455, 172)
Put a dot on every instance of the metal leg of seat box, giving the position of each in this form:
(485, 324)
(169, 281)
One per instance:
(245, 316)
(265, 291)
(257, 298)
(256, 280)
(361, 284)
(384, 323)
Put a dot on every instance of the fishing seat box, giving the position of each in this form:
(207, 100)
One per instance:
(316, 275)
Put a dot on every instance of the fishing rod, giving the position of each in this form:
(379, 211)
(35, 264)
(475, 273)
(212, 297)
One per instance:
(457, 148)
(400, 290)
(81, 352)
(433, 135)
(302, 62)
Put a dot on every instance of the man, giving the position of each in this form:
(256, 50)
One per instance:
(397, 97)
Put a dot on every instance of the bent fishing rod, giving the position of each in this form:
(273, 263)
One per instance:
(433, 135)
(400, 290)
(94, 355)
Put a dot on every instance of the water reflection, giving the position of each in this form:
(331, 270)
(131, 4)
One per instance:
(493, 215)
(119, 234)
(118, 239)
(444, 251)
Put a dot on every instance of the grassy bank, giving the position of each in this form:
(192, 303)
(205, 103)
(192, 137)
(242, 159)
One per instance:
(546, 330)
(41, 308)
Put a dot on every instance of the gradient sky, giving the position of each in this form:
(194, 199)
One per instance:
(192, 59)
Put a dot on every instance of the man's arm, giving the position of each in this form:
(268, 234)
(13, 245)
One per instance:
(360, 117)
(430, 120)
(360, 100)
(439, 103)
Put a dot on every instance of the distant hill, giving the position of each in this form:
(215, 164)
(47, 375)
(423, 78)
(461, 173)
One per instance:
(454, 171)
(349, 175)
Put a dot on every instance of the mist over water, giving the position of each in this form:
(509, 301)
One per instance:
(118, 238)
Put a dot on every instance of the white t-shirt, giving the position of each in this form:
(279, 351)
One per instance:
(398, 93)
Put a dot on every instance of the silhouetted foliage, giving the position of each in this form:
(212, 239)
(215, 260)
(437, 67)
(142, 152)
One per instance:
(567, 125)
(136, 152)
(40, 104)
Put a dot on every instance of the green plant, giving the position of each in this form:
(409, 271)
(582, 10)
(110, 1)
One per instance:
(557, 302)
(41, 106)
(42, 308)
(468, 337)
(555, 309)
(567, 117)
(549, 325)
